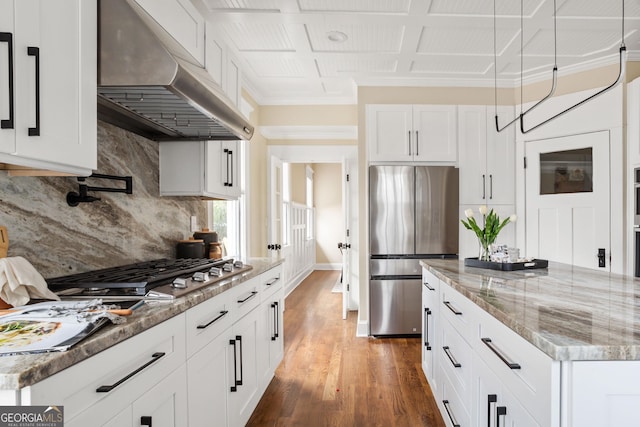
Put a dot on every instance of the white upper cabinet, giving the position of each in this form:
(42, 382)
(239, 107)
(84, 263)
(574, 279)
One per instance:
(200, 168)
(418, 133)
(487, 157)
(48, 61)
(182, 20)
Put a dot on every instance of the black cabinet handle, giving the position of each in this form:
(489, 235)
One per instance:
(426, 284)
(491, 398)
(449, 413)
(253, 294)
(8, 38)
(274, 305)
(206, 325)
(417, 143)
(231, 162)
(277, 319)
(427, 313)
(492, 347)
(454, 362)
(490, 187)
(483, 187)
(236, 381)
(146, 420)
(452, 308)
(35, 51)
(107, 388)
(272, 281)
(409, 132)
(500, 411)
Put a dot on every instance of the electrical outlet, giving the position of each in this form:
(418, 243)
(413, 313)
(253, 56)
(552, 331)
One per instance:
(194, 223)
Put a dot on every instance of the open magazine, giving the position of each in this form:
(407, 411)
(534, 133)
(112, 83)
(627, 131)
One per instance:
(51, 326)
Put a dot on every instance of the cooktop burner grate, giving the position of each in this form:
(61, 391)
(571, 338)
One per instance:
(134, 278)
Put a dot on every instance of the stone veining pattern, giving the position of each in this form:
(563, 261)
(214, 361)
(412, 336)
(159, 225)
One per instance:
(120, 229)
(568, 312)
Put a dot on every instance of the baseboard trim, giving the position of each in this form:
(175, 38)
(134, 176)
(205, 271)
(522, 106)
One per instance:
(362, 329)
(328, 266)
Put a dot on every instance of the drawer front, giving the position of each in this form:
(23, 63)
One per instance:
(458, 310)
(526, 371)
(455, 357)
(452, 408)
(122, 373)
(208, 320)
(245, 297)
(430, 288)
(271, 283)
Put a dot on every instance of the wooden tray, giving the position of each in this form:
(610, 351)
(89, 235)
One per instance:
(506, 266)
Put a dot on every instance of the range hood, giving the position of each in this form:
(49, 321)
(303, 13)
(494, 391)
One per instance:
(150, 85)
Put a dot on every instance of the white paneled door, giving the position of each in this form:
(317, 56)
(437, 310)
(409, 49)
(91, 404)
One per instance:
(567, 199)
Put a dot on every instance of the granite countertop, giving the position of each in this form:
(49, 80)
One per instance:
(568, 312)
(17, 372)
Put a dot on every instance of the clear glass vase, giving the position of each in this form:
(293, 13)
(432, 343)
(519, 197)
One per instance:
(484, 254)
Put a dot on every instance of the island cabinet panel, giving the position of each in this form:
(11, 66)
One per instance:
(430, 324)
(101, 387)
(602, 393)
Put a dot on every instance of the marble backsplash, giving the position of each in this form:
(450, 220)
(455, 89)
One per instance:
(119, 229)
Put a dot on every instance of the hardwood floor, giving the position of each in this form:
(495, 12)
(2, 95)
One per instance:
(330, 377)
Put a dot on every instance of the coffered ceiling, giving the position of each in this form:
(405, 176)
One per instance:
(319, 51)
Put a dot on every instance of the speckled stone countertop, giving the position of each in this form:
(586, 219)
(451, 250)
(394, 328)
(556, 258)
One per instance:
(568, 312)
(17, 372)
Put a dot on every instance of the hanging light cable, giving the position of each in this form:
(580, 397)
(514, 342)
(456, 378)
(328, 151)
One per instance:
(623, 49)
(554, 72)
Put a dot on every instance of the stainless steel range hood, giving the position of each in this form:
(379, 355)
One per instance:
(150, 85)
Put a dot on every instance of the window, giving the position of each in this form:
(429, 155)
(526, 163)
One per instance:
(569, 171)
(286, 204)
(309, 225)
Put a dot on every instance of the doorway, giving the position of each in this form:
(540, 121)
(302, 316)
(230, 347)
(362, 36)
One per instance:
(340, 160)
(568, 208)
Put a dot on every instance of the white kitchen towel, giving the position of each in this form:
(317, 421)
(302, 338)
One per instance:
(19, 282)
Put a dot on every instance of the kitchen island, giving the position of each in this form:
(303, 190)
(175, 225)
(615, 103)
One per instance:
(199, 337)
(551, 347)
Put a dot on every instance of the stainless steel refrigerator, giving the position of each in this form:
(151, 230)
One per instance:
(413, 215)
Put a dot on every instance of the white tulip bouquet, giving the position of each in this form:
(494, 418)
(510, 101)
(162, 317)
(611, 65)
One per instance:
(492, 226)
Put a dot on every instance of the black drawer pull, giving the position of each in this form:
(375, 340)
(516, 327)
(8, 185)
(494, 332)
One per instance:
(452, 308)
(426, 284)
(206, 325)
(272, 281)
(108, 388)
(8, 38)
(427, 313)
(491, 398)
(35, 51)
(253, 294)
(492, 347)
(146, 420)
(454, 362)
(500, 411)
(449, 413)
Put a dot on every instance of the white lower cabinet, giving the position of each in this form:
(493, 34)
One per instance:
(143, 376)
(430, 319)
(482, 373)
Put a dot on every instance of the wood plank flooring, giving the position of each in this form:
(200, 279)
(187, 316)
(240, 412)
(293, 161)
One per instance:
(330, 377)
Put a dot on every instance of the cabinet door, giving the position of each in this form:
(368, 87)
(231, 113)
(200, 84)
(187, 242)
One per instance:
(430, 287)
(232, 80)
(434, 129)
(165, 404)
(242, 369)
(7, 77)
(55, 70)
(214, 56)
(270, 340)
(494, 406)
(390, 132)
(181, 19)
(222, 174)
(500, 157)
(122, 419)
(472, 131)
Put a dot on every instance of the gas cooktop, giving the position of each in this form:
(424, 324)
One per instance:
(171, 277)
